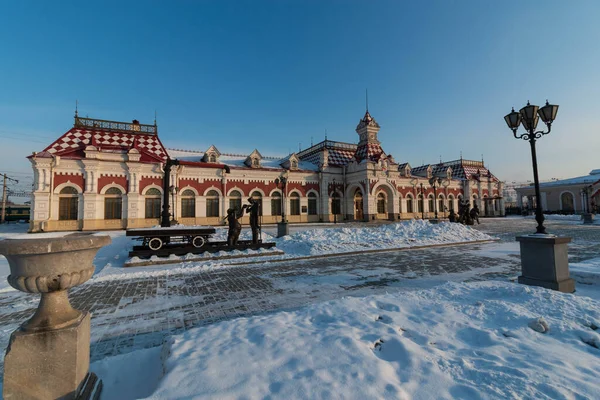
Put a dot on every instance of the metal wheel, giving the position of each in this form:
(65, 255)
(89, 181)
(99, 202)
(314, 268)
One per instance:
(198, 241)
(155, 243)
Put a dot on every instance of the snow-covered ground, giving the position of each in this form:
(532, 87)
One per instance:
(465, 340)
(457, 340)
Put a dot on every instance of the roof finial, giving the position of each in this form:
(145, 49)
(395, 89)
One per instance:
(482, 163)
(367, 98)
(325, 134)
(155, 117)
(311, 141)
(76, 108)
(440, 158)
(299, 147)
(461, 155)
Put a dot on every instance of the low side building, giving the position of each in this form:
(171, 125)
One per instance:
(573, 195)
(109, 175)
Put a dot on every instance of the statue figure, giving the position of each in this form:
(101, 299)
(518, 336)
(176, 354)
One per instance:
(452, 216)
(252, 209)
(464, 217)
(235, 228)
(475, 214)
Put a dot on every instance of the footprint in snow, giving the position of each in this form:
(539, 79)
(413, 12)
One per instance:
(387, 306)
(384, 318)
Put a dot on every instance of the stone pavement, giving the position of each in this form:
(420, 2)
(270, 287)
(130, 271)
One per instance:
(135, 313)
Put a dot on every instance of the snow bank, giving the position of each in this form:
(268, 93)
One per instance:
(397, 235)
(458, 340)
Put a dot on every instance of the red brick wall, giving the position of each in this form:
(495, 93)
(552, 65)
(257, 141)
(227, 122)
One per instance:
(146, 181)
(108, 180)
(59, 179)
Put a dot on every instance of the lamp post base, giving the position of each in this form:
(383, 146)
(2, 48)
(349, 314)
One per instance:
(545, 263)
(282, 229)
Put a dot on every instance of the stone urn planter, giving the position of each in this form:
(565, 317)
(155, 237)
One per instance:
(48, 356)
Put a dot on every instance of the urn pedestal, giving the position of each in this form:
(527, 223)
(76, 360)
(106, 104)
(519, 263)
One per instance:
(545, 262)
(48, 357)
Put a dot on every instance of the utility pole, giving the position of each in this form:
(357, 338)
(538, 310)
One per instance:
(4, 196)
(3, 200)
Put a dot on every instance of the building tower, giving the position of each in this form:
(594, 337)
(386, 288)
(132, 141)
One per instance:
(369, 147)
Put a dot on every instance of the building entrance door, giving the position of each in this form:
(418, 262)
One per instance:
(358, 206)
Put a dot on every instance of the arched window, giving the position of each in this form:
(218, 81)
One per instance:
(430, 203)
(235, 200)
(212, 158)
(450, 202)
(153, 203)
(294, 204)
(420, 204)
(276, 203)
(567, 202)
(188, 204)
(441, 203)
(336, 203)
(380, 203)
(409, 204)
(257, 196)
(113, 203)
(312, 204)
(212, 203)
(68, 200)
(294, 164)
(255, 162)
(400, 204)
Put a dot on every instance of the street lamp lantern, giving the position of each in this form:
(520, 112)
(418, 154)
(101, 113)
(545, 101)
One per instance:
(529, 117)
(548, 113)
(513, 120)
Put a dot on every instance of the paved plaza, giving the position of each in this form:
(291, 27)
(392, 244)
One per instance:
(134, 313)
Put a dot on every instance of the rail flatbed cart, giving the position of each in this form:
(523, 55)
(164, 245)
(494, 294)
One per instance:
(179, 241)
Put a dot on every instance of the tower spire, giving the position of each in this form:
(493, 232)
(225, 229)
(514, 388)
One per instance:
(367, 99)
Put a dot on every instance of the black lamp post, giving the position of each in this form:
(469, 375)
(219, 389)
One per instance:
(436, 182)
(280, 183)
(585, 194)
(335, 198)
(173, 189)
(529, 117)
(422, 202)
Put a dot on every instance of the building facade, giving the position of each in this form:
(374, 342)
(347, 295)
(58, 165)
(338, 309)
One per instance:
(109, 175)
(570, 196)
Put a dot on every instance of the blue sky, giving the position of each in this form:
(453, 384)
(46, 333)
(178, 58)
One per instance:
(272, 74)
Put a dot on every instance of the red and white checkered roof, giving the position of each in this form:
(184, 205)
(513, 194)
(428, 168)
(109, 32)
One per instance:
(76, 140)
(339, 157)
(369, 151)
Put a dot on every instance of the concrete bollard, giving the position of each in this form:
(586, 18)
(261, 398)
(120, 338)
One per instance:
(48, 356)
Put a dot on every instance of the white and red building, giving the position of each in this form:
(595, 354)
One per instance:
(109, 175)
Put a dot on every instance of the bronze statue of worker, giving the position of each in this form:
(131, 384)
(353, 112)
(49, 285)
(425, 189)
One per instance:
(252, 209)
(233, 216)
